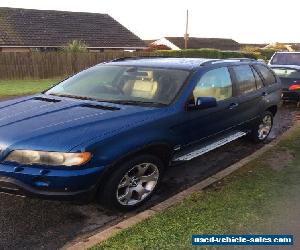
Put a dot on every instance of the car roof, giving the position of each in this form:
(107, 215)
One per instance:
(174, 62)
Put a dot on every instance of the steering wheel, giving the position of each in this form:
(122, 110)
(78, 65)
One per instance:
(111, 89)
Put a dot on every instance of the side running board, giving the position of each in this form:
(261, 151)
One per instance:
(200, 150)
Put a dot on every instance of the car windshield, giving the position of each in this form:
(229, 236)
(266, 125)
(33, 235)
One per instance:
(287, 73)
(286, 59)
(123, 84)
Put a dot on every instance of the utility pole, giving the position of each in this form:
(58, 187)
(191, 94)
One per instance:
(186, 35)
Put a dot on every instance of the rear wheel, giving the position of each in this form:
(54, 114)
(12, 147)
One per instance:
(263, 128)
(133, 183)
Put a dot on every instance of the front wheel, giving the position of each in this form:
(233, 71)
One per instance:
(263, 128)
(132, 183)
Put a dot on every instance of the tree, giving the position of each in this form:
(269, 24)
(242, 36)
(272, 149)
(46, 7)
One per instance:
(76, 46)
(250, 49)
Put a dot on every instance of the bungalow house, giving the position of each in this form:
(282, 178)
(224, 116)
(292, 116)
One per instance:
(178, 43)
(44, 30)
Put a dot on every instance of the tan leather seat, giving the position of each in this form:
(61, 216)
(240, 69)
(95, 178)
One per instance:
(145, 87)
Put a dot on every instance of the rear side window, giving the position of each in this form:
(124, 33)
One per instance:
(245, 78)
(259, 82)
(214, 83)
(267, 74)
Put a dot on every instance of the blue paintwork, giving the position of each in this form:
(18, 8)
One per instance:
(68, 126)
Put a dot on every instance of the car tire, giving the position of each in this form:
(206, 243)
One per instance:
(263, 127)
(132, 183)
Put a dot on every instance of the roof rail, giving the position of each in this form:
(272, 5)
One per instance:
(144, 57)
(242, 59)
(210, 62)
(227, 60)
(120, 59)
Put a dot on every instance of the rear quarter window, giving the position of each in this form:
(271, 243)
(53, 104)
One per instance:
(266, 73)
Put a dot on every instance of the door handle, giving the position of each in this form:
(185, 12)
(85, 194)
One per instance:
(233, 105)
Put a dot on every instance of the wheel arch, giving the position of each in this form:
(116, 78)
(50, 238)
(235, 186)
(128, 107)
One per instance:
(273, 109)
(161, 150)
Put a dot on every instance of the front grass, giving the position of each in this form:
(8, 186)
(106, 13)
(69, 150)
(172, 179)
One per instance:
(240, 204)
(11, 88)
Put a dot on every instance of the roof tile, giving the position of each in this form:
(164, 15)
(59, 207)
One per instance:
(26, 27)
(197, 43)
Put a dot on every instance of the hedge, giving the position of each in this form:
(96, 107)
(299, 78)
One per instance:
(266, 54)
(213, 53)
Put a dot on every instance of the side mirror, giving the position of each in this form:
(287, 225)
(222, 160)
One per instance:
(203, 103)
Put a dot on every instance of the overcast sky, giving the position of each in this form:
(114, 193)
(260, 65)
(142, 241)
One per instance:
(251, 21)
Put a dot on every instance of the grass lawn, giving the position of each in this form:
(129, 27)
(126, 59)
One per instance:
(11, 88)
(262, 197)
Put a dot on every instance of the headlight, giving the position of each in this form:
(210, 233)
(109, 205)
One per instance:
(28, 157)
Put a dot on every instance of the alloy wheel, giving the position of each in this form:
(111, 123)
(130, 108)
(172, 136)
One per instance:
(265, 127)
(137, 184)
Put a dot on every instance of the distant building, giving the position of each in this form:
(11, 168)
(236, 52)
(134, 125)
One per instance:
(278, 46)
(46, 30)
(178, 43)
(284, 46)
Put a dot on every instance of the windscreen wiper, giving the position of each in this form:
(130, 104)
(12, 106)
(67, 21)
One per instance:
(134, 102)
(81, 97)
(124, 102)
(75, 97)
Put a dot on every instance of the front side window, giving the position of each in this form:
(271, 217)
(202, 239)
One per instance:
(267, 74)
(214, 83)
(124, 84)
(245, 78)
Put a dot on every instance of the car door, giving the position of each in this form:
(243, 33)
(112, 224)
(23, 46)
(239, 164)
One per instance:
(206, 123)
(250, 92)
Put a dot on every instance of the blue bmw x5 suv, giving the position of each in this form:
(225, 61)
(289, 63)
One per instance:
(110, 131)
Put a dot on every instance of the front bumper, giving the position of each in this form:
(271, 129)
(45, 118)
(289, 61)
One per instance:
(54, 184)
